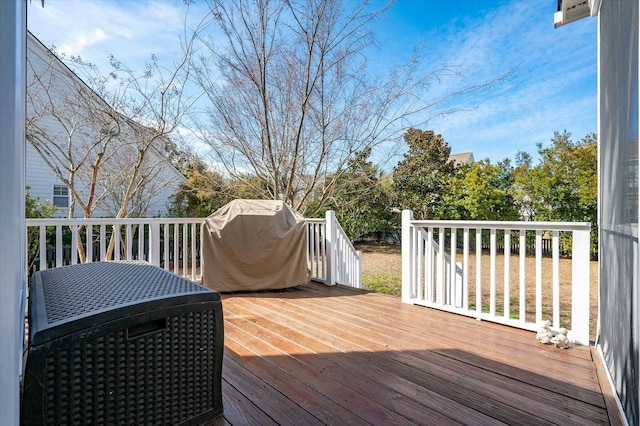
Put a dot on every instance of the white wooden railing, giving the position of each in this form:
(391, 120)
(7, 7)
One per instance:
(171, 243)
(174, 244)
(430, 259)
(332, 257)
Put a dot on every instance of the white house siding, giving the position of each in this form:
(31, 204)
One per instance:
(165, 183)
(41, 179)
(168, 182)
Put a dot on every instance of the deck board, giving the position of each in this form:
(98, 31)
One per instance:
(334, 355)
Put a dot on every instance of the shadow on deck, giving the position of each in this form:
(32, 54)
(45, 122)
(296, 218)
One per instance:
(335, 355)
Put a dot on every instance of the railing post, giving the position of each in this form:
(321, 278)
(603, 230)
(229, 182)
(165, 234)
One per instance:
(59, 247)
(88, 251)
(407, 257)
(331, 236)
(42, 242)
(358, 268)
(580, 287)
(74, 244)
(154, 243)
(116, 235)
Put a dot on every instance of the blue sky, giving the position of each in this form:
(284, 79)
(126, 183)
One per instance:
(552, 72)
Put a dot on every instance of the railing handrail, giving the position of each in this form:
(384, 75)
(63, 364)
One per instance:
(512, 225)
(111, 221)
(315, 220)
(349, 269)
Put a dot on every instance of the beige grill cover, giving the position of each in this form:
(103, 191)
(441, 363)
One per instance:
(254, 245)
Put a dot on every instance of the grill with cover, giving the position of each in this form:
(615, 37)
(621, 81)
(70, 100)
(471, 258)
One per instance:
(254, 245)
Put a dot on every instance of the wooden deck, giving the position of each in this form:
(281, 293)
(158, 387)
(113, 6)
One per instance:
(334, 355)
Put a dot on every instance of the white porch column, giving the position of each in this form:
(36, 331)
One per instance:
(13, 37)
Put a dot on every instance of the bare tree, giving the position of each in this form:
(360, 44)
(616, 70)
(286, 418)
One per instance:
(98, 137)
(106, 139)
(293, 98)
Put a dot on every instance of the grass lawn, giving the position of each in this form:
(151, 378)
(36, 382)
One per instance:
(382, 272)
(381, 268)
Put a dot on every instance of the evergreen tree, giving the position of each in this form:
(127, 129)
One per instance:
(423, 177)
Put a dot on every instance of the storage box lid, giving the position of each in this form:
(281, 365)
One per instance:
(71, 292)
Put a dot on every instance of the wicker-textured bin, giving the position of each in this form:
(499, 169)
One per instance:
(121, 343)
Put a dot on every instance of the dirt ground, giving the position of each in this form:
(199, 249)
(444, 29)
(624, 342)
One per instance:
(382, 272)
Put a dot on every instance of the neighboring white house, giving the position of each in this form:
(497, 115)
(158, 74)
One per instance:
(69, 125)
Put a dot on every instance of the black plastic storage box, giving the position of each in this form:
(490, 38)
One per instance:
(121, 343)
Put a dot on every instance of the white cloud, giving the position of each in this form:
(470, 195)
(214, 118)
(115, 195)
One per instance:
(83, 42)
(552, 86)
(130, 30)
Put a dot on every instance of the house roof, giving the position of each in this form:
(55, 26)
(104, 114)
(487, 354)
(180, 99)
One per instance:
(463, 158)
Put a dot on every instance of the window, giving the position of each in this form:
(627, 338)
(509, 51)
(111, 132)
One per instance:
(60, 196)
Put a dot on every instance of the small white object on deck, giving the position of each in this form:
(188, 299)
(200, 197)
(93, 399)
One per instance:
(544, 334)
(561, 340)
